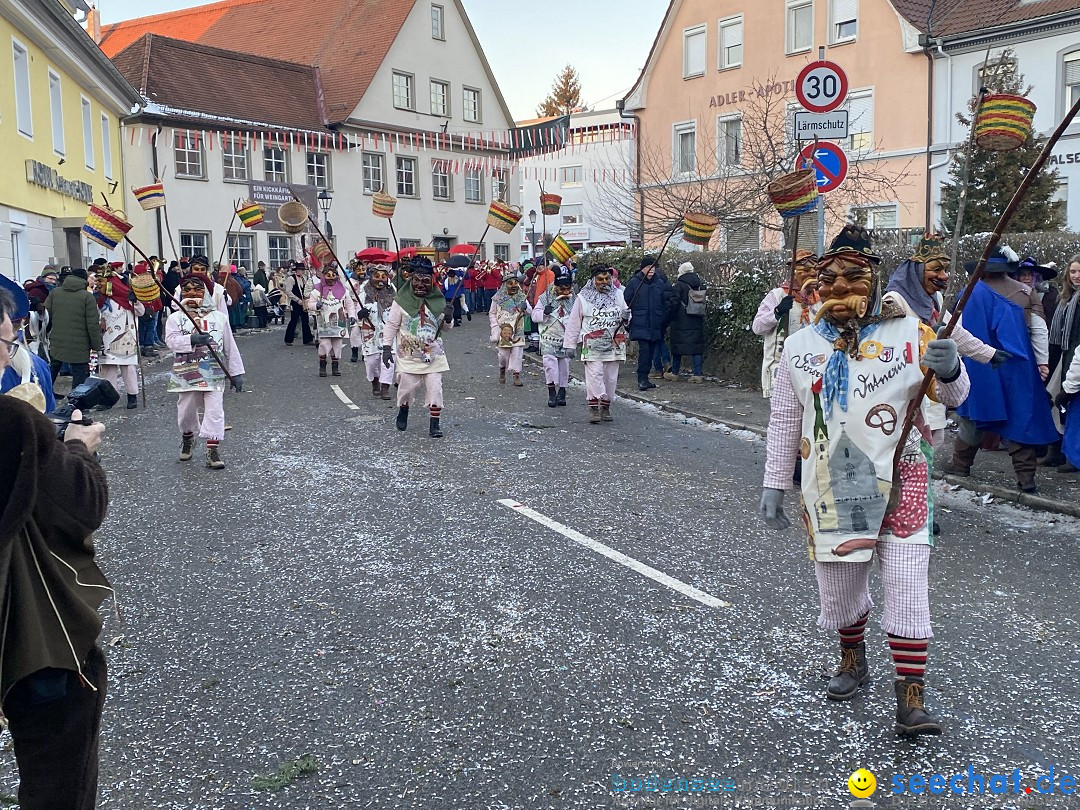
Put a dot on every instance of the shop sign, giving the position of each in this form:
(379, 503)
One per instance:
(39, 174)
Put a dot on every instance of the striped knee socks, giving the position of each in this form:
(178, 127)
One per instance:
(909, 656)
(853, 636)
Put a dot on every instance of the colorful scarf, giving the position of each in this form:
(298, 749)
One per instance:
(338, 289)
(408, 300)
(845, 342)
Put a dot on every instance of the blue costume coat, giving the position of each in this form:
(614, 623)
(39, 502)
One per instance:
(1009, 400)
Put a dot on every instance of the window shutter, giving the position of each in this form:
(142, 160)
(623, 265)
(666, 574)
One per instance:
(861, 113)
(694, 56)
(1072, 68)
(733, 34)
(844, 11)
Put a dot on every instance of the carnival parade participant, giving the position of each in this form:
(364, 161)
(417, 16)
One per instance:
(552, 310)
(1011, 399)
(416, 320)
(376, 300)
(120, 312)
(333, 309)
(839, 398)
(196, 375)
(783, 312)
(507, 318)
(297, 289)
(917, 287)
(200, 264)
(597, 322)
(26, 375)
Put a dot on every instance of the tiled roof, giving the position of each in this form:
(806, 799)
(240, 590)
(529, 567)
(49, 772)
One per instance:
(197, 79)
(955, 17)
(347, 39)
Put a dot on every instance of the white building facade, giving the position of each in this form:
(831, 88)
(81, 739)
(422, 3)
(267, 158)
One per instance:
(1047, 52)
(593, 174)
(431, 128)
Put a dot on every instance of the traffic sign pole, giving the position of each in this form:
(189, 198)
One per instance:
(820, 200)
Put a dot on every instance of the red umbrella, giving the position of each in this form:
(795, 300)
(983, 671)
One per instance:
(463, 250)
(373, 254)
(407, 253)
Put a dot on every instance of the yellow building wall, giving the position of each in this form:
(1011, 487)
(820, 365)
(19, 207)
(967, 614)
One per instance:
(16, 148)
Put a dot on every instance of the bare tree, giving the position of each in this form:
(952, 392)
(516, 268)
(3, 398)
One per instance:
(730, 178)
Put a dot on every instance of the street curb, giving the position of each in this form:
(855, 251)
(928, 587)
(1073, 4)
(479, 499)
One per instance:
(1000, 493)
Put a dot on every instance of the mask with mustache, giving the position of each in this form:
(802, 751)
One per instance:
(844, 286)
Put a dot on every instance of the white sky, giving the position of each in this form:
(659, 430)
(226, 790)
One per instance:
(606, 40)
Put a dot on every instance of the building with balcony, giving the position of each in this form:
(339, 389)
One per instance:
(61, 106)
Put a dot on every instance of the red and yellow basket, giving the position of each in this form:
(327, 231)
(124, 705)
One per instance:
(795, 193)
(550, 204)
(383, 205)
(149, 197)
(560, 249)
(250, 213)
(698, 228)
(105, 226)
(502, 216)
(1004, 122)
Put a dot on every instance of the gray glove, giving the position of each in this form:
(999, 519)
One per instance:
(387, 356)
(318, 305)
(238, 382)
(942, 357)
(549, 309)
(772, 508)
(352, 322)
(1000, 358)
(200, 339)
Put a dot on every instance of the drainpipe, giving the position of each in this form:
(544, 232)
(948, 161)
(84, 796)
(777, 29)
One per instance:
(619, 105)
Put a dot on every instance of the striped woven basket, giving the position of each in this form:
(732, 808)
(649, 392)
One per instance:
(321, 251)
(149, 197)
(698, 228)
(503, 217)
(795, 193)
(550, 204)
(1004, 122)
(293, 217)
(250, 213)
(145, 288)
(560, 249)
(105, 226)
(383, 205)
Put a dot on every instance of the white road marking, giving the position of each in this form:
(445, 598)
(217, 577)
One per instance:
(617, 556)
(341, 395)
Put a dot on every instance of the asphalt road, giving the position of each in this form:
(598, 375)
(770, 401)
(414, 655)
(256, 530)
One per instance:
(360, 596)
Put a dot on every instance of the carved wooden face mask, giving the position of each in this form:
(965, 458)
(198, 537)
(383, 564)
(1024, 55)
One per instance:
(806, 275)
(844, 286)
(935, 276)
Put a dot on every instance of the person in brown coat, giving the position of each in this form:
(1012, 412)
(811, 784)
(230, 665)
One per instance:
(53, 496)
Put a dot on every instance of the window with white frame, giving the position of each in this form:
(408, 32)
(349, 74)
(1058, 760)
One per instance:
(437, 31)
(470, 104)
(571, 177)
(729, 140)
(731, 42)
(406, 176)
(843, 21)
(275, 165)
(474, 184)
(106, 146)
(684, 148)
(187, 154)
(241, 250)
(877, 217)
(440, 98)
(410, 243)
(381, 244)
(1071, 77)
(498, 184)
(799, 23)
(860, 107)
(441, 187)
(481, 254)
(572, 215)
(373, 172)
(742, 234)
(318, 169)
(56, 109)
(502, 253)
(88, 133)
(1060, 200)
(194, 243)
(694, 46)
(234, 160)
(999, 71)
(404, 98)
(24, 117)
(280, 250)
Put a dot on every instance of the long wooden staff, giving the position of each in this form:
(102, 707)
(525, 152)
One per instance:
(228, 233)
(341, 267)
(976, 276)
(659, 257)
(190, 317)
(962, 203)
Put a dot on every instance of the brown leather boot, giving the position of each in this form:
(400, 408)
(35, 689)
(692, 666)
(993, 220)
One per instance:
(1024, 461)
(376, 388)
(517, 380)
(502, 375)
(912, 718)
(853, 673)
(963, 457)
(384, 391)
(594, 414)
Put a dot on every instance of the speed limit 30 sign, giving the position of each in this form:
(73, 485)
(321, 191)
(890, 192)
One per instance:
(821, 87)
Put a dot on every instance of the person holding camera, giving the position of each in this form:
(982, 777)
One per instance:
(53, 496)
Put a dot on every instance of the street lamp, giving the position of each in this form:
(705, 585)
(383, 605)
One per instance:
(326, 199)
(532, 232)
